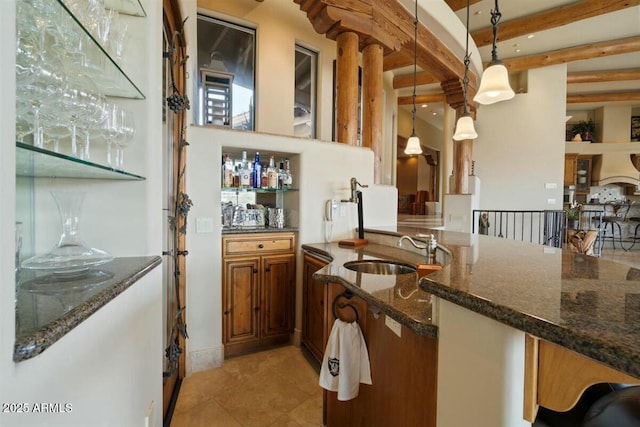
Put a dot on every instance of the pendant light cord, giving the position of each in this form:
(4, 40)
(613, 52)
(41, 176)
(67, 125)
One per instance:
(495, 19)
(467, 61)
(415, 64)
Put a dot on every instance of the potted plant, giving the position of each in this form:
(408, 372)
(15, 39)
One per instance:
(585, 129)
(572, 213)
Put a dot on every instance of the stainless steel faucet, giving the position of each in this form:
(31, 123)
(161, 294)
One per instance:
(430, 247)
(354, 185)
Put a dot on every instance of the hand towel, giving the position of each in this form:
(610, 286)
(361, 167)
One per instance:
(346, 361)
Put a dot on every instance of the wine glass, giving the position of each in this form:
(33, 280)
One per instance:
(112, 131)
(127, 130)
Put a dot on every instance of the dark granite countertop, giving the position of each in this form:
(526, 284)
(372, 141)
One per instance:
(48, 309)
(251, 230)
(398, 296)
(583, 303)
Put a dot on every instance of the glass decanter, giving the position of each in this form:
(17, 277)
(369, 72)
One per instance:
(70, 256)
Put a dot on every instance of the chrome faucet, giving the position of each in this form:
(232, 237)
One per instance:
(430, 247)
(354, 196)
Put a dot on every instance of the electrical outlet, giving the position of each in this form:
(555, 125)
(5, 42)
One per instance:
(393, 325)
(550, 185)
(551, 201)
(204, 225)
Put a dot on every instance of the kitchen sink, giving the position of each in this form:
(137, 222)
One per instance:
(380, 267)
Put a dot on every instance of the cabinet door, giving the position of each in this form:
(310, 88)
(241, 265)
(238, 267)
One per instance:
(241, 300)
(570, 169)
(278, 283)
(313, 308)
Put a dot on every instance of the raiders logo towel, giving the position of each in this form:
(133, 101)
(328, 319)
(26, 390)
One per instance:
(346, 361)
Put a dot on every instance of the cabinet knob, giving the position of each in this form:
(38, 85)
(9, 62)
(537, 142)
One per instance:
(226, 312)
(255, 270)
(267, 269)
(261, 246)
(256, 309)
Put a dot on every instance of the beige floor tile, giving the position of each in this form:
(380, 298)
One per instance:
(309, 413)
(205, 414)
(285, 421)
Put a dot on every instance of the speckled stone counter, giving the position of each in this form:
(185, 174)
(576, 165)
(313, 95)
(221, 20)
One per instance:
(398, 296)
(583, 303)
(48, 309)
(250, 230)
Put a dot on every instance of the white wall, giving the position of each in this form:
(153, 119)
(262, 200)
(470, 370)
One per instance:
(516, 157)
(109, 368)
(323, 172)
(279, 26)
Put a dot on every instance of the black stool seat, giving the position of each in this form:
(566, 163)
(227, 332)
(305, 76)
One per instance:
(620, 408)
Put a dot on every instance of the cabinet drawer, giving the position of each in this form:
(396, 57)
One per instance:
(256, 244)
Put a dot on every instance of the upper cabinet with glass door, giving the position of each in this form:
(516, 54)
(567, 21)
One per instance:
(68, 60)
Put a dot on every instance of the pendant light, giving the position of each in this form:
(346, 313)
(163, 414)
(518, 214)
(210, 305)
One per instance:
(464, 127)
(413, 143)
(494, 85)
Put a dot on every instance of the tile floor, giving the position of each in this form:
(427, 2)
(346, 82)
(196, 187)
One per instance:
(270, 388)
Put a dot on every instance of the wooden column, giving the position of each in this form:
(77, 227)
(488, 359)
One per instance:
(372, 104)
(347, 88)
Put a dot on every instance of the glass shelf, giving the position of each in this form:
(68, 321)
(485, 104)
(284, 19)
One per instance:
(37, 162)
(256, 190)
(113, 80)
(128, 7)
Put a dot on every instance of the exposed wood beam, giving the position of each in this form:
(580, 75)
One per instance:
(456, 5)
(406, 80)
(421, 99)
(396, 60)
(588, 51)
(550, 18)
(604, 97)
(600, 76)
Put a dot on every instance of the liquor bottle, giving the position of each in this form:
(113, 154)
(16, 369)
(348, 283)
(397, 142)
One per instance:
(257, 171)
(272, 174)
(245, 172)
(227, 172)
(288, 177)
(264, 182)
(281, 176)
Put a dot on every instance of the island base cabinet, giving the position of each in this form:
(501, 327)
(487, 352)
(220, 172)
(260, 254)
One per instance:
(314, 326)
(258, 294)
(403, 373)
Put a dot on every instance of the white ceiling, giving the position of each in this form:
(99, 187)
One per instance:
(616, 25)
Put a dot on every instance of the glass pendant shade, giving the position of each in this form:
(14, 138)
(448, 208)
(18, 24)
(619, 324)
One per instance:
(464, 128)
(494, 85)
(413, 145)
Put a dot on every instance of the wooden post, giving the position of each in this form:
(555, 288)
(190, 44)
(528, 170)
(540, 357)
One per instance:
(372, 104)
(347, 88)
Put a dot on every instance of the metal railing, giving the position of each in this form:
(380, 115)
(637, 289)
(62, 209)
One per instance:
(544, 227)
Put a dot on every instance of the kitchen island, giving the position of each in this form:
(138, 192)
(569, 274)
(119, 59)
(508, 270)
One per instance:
(495, 297)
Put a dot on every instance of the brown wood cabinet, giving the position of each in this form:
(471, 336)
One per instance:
(403, 372)
(258, 291)
(570, 169)
(314, 308)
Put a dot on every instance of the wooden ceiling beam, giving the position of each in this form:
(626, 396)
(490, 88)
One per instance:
(421, 99)
(632, 96)
(456, 5)
(550, 18)
(588, 51)
(396, 60)
(406, 80)
(602, 76)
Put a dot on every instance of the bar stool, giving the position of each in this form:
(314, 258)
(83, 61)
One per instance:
(617, 213)
(620, 408)
(635, 236)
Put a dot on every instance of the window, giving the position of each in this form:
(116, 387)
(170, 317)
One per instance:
(226, 78)
(304, 107)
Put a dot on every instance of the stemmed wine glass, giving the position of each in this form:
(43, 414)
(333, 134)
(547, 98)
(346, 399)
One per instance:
(127, 130)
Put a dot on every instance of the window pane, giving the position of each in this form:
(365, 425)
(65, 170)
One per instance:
(304, 110)
(226, 81)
